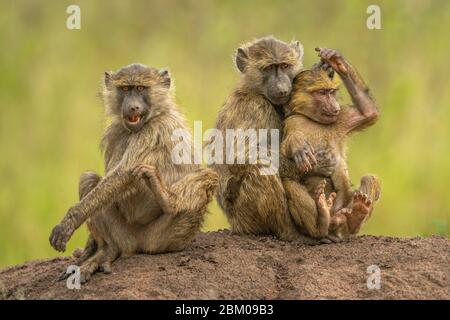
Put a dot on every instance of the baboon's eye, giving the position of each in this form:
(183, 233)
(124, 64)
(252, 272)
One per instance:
(140, 88)
(269, 67)
(284, 66)
(125, 88)
(333, 91)
(322, 91)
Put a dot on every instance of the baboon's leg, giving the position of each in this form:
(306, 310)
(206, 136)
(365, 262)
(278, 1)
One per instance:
(188, 198)
(259, 206)
(88, 181)
(88, 251)
(101, 260)
(363, 203)
(312, 215)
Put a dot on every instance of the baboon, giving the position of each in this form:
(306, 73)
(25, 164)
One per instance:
(315, 123)
(255, 203)
(145, 203)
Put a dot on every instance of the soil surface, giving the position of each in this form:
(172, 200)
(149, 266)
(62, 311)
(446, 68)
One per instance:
(219, 265)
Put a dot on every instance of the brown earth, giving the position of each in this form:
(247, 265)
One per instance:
(219, 265)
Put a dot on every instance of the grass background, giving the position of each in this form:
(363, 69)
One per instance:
(51, 119)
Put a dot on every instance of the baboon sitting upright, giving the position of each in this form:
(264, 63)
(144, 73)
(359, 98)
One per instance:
(316, 123)
(255, 203)
(145, 203)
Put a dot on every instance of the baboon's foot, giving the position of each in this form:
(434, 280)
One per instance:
(323, 204)
(338, 230)
(82, 255)
(101, 261)
(361, 208)
(339, 219)
(371, 186)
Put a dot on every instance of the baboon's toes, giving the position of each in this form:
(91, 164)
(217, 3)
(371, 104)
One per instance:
(106, 268)
(334, 239)
(330, 199)
(320, 190)
(63, 276)
(338, 219)
(325, 241)
(362, 198)
(77, 253)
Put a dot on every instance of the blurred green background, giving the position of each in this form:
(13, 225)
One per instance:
(51, 118)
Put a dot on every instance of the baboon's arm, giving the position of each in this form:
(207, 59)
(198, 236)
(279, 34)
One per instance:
(152, 178)
(115, 185)
(112, 187)
(364, 111)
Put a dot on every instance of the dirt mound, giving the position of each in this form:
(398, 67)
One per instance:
(219, 265)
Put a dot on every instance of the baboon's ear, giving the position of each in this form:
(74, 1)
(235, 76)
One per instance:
(241, 59)
(165, 78)
(107, 78)
(298, 47)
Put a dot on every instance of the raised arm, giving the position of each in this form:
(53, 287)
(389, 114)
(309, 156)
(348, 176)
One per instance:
(364, 111)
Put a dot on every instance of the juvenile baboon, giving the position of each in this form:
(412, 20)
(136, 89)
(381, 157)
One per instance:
(255, 203)
(145, 203)
(315, 123)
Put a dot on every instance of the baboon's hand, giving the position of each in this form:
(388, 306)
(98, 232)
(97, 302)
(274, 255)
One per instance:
(60, 235)
(333, 58)
(304, 158)
(324, 66)
(326, 163)
(149, 173)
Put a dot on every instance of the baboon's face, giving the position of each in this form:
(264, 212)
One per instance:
(325, 108)
(269, 67)
(135, 93)
(315, 96)
(135, 106)
(277, 82)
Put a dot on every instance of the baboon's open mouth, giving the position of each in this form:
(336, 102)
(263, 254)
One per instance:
(134, 119)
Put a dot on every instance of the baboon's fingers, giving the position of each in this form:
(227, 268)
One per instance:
(135, 172)
(311, 148)
(329, 53)
(325, 66)
(330, 72)
(57, 238)
(77, 253)
(298, 162)
(305, 160)
(311, 157)
(318, 65)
